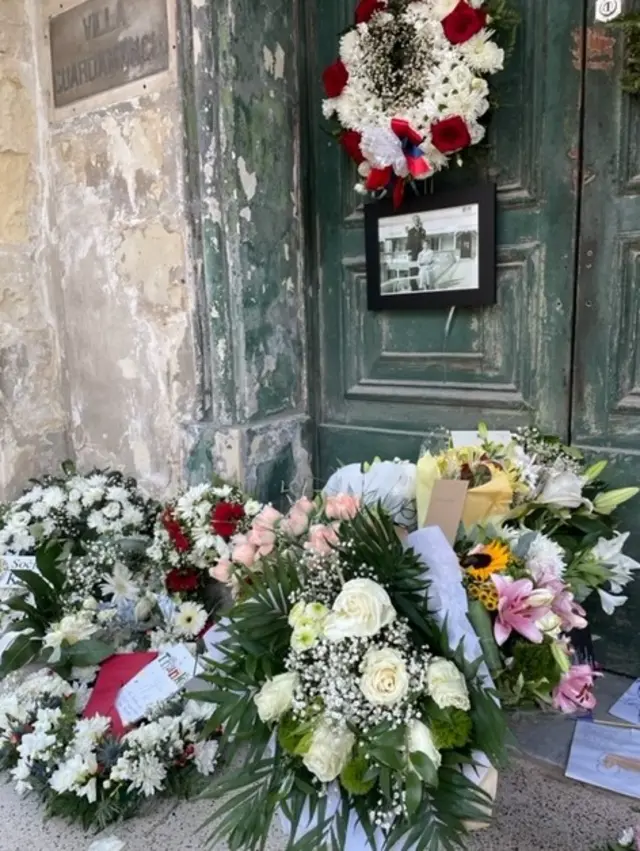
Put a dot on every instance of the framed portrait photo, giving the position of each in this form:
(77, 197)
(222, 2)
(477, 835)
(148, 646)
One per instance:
(435, 251)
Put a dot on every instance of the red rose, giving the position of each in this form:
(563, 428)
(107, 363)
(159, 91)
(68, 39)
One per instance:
(335, 79)
(366, 9)
(174, 530)
(350, 141)
(463, 23)
(180, 581)
(450, 134)
(225, 518)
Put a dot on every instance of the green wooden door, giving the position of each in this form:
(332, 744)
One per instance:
(388, 380)
(559, 349)
(606, 375)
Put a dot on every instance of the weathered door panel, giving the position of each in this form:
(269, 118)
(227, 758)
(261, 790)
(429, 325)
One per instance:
(388, 380)
(606, 387)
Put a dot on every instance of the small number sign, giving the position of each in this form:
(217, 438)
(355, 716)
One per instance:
(607, 10)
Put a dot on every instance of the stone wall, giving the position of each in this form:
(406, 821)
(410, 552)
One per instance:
(122, 265)
(155, 289)
(33, 409)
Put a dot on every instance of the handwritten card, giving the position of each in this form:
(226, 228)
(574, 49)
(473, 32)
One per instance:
(472, 438)
(446, 506)
(627, 707)
(161, 679)
(608, 757)
(8, 564)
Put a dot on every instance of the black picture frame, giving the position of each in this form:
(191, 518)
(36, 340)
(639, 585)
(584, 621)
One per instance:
(478, 243)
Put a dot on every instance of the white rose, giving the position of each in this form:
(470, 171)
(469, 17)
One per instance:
(361, 609)
(385, 680)
(563, 490)
(329, 752)
(447, 685)
(275, 697)
(420, 740)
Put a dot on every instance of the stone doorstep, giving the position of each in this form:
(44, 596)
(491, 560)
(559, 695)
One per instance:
(545, 737)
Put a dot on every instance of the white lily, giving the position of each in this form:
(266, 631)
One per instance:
(610, 602)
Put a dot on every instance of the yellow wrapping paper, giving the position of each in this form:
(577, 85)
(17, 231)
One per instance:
(489, 501)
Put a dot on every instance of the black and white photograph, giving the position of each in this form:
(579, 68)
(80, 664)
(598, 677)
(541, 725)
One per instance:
(432, 252)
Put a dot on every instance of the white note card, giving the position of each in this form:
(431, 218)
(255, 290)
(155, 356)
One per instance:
(10, 563)
(472, 438)
(627, 707)
(608, 757)
(160, 680)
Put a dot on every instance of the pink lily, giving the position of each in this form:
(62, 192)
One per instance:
(515, 610)
(564, 604)
(574, 691)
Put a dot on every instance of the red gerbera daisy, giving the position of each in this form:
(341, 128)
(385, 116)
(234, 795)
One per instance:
(225, 518)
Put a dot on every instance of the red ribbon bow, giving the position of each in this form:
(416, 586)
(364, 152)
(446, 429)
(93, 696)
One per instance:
(417, 165)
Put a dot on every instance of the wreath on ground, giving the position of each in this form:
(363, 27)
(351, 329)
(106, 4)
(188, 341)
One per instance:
(83, 771)
(409, 87)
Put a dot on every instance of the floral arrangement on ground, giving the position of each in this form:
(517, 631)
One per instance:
(79, 768)
(409, 87)
(356, 713)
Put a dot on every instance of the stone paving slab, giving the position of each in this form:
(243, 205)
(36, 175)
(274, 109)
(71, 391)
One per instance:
(535, 811)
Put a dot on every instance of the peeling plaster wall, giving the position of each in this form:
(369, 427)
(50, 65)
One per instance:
(33, 416)
(248, 107)
(122, 261)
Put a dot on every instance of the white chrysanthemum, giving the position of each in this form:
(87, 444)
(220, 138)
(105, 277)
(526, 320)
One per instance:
(205, 756)
(252, 507)
(544, 556)
(120, 586)
(150, 775)
(187, 503)
(483, 54)
(447, 74)
(190, 619)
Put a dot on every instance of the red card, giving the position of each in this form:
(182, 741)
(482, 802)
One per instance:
(115, 673)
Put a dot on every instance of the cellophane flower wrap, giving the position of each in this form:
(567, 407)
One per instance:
(355, 711)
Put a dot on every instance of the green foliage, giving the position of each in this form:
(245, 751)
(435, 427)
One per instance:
(272, 777)
(353, 776)
(536, 662)
(630, 26)
(450, 728)
(504, 19)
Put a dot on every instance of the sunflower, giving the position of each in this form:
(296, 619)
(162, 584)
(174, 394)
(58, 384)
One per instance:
(485, 560)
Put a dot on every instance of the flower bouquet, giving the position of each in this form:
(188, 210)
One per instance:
(80, 769)
(74, 610)
(498, 481)
(76, 508)
(363, 727)
(193, 534)
(522, 610)
(573, 506)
